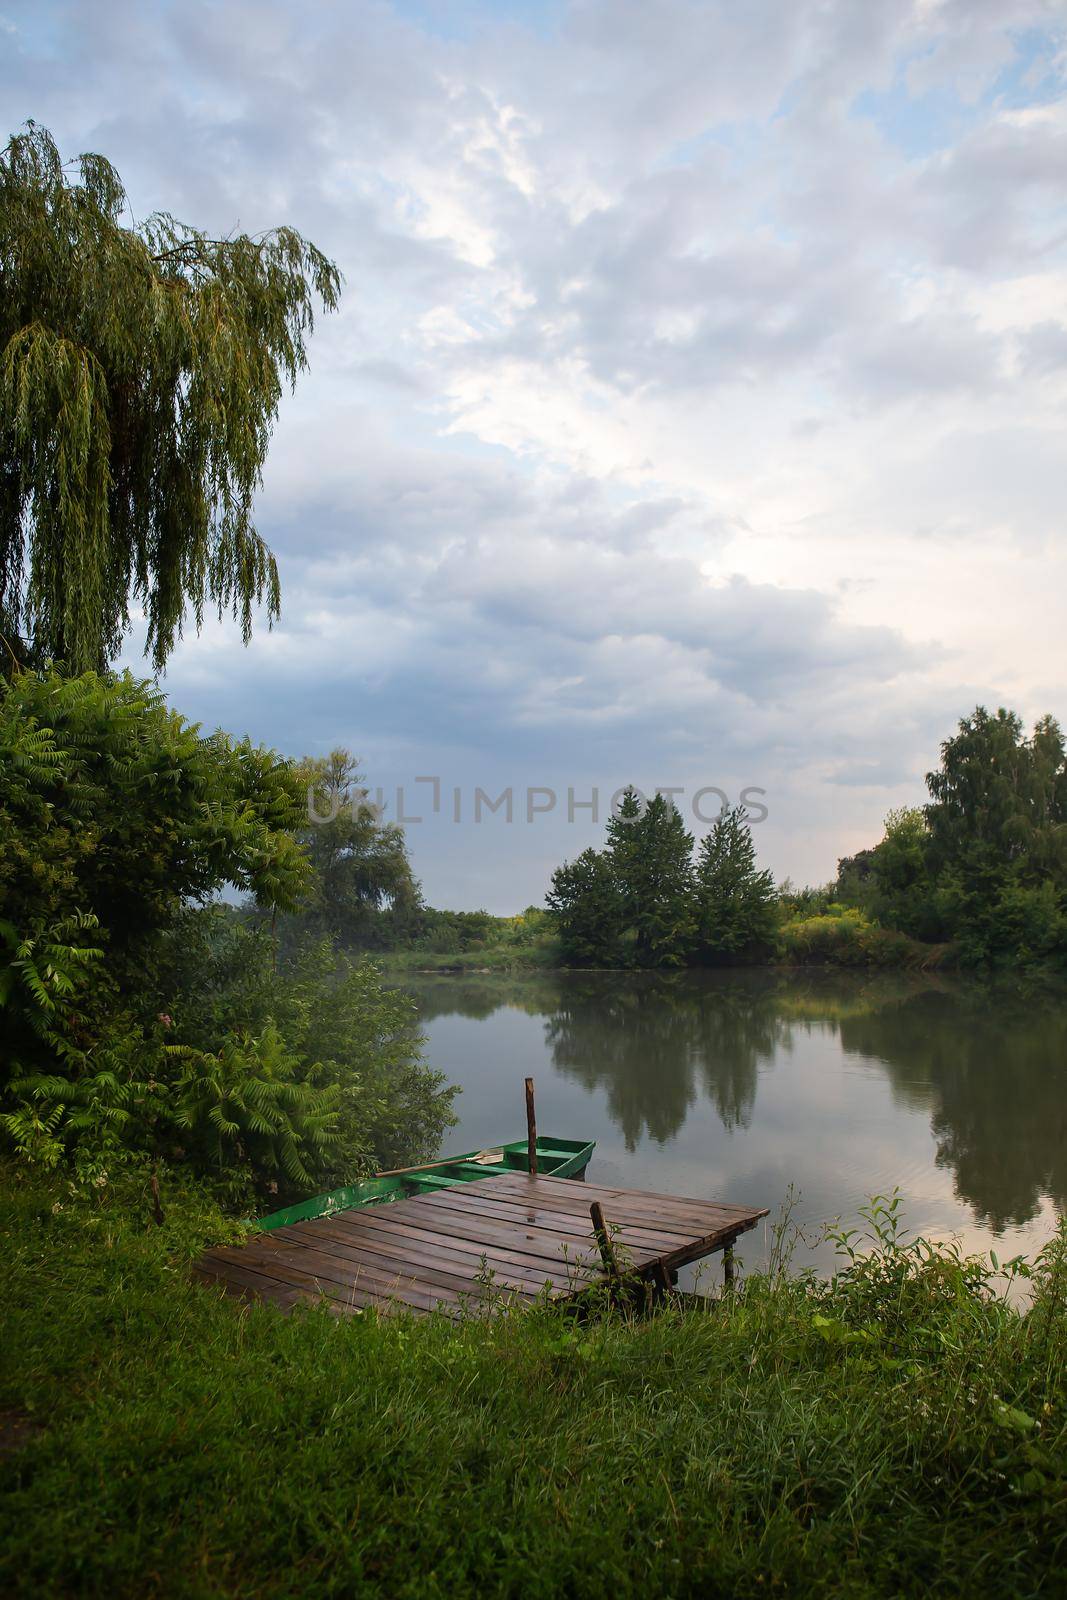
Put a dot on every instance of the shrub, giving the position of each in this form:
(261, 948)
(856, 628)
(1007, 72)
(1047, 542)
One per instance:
(843, 936)
(138, 1026)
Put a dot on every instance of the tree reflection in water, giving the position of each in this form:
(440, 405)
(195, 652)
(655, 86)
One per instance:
(986, 1064)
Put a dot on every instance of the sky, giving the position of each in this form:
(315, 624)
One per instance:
(695, 412)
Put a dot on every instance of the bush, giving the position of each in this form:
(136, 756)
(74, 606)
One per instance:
(843, 936)
(137, 1026)
(347, 1033)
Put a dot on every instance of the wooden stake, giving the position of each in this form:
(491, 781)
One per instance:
(531, 1128)
(661, 1278)
(728, 1266)
(603, 1239)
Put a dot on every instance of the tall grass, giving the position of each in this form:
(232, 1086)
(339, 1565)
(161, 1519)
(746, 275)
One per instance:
(901, 1431)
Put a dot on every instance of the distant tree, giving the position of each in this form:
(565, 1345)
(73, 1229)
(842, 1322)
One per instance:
(736, 902)
(854, 884)
(141, 367)
(900, 887)
(998, 838)
(587, 906)
(363, 890)
(809, 900)
(650, 854)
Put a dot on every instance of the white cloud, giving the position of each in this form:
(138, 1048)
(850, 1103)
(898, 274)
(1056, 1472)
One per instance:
(697, 402)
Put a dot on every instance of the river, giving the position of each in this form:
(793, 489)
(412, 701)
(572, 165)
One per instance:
(811, 1091)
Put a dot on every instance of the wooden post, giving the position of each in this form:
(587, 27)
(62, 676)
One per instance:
(531, 1129)
(728, 1266)
(661, 1279)
(603, 1239)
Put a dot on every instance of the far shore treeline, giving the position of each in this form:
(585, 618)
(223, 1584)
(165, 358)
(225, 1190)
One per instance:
(976, 878)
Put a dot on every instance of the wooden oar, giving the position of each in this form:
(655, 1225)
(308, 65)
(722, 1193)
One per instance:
(428, 1166)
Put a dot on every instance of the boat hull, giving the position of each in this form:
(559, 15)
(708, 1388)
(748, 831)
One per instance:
(556, 1158)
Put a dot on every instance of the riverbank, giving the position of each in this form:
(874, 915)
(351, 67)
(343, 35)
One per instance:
(838, 938)
(899, 1433)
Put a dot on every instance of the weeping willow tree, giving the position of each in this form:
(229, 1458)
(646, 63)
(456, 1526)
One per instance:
(141, 368)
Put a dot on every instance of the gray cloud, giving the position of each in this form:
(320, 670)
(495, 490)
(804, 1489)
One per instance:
(667, 377)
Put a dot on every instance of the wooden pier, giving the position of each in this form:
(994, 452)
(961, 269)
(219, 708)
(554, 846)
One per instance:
(474, 1245)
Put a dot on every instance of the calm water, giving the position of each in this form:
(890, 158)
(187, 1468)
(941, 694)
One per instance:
(737, 1086)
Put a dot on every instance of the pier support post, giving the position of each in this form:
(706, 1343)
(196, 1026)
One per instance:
(661, 1282)
(603, 1239)
(531, 1129)
(728, 1267)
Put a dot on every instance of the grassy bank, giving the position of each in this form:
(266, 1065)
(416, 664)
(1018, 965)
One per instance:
(901, 1433)
(833, 936)
(491, 958)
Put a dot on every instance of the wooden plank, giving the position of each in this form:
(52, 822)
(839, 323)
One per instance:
(624, 1204)
(471, 1250)
(560, 1226)
(233, 1275)
(338, 1282)
(604, 1192)
(559, 1191)
(565, 1225)
(473, 1235)
(427, 1266)
(424, 1258)
(248, 1285)
(540, 1244)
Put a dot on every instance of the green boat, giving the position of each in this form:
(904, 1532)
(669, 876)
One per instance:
(556, 1158)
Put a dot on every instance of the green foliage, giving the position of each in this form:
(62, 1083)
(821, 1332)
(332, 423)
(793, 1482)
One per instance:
(134, 1024)
(650, 856)
(805, 902)
(349, 1036)
(901, 1431)
(893, 883)
(277, 1081)
(842, 936)
(640, 902)
(363, 891)
(736, 902)
(141, 368)
(455, 932)
(451, 940)
(115, 807)
(984, 865)
(998, 839)
(587, 903)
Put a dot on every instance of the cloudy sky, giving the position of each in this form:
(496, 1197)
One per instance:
(695, 414)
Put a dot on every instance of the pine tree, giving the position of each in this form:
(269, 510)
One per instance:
(735, 900)
(651, 857)
(587, 905)
(141, 369)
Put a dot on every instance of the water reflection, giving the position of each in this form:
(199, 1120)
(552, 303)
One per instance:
(985, 1069)
(989, 1068)
(652, 1046)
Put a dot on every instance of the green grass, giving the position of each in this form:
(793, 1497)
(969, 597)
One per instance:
(502, 958)
(900, 1434)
